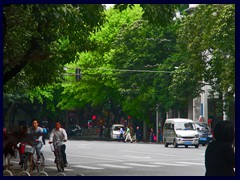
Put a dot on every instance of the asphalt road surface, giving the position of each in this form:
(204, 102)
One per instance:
(112, 158)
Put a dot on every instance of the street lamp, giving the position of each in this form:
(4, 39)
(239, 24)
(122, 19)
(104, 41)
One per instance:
(157, 107)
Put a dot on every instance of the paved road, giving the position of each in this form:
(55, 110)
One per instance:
(112, 158)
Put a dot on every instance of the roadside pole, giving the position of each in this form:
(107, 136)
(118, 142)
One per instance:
(157, 124)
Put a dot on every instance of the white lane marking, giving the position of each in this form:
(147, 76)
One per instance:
(169, 164)
(86, 167)
(54, 167)
(49, 159)
(147, 157)
(114, 166)
(158, 154)
(84, 147)
(92, 157)
(141, 165)
(191, 163)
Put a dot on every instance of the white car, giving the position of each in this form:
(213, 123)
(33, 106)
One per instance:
(115, 131)
(179, 131)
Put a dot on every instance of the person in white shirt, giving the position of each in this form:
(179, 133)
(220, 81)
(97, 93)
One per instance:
(121, 138)
(59, 135)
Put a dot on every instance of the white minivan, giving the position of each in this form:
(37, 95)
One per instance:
(179, 131)
(115, 131)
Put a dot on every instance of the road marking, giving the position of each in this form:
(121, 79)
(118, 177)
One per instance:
(92, 157)
(138, 156)
(159, 154)
(114, 166)
(49, 159)
(168, 164)
(142, 165)
(54, 167)
(191, 163)
(83, 147)
(86, 167)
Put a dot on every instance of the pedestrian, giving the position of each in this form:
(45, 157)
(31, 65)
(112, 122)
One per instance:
(128, 134)
(220, 155)
(138, 135)
(59, 135)
(121, 138)
(101, 131)
(44, 134)
(160, 135)
(23, 137)
(151, 136)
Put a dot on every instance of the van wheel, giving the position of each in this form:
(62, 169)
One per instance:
(186, 146)
(196, 146)
(175, 143)
(165, 143)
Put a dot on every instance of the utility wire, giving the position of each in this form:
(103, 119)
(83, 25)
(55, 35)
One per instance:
(128, 70)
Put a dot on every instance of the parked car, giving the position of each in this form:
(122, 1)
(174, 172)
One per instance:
(205, 135)
(74, 130)
(115, 131)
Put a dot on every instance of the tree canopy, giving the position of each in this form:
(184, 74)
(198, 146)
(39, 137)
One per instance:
(39, 39)
(132, 56)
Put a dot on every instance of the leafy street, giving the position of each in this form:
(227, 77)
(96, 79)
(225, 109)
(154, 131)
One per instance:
(89, 66)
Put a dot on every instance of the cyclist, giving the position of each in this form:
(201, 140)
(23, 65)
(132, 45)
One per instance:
(59, 134)
(37, 132)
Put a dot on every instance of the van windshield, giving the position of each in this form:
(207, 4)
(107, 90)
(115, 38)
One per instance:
(117, 128)
(184, 126)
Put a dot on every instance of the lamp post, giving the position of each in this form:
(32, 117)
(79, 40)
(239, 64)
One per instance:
(157, 106)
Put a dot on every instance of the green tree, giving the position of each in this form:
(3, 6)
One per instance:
(98, 85)
(206, 52)
(39, 39)
(144, 46)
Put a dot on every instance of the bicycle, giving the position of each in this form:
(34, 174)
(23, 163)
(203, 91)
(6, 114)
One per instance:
(30, 159)
(56, 149)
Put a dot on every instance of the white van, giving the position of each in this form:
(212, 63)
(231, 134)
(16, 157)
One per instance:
(115, 131)
(179, 131)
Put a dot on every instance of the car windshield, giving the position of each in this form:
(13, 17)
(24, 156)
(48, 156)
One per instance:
(117, 128)
(202, 127)
(184, 126)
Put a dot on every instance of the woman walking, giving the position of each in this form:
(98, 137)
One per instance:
(128, 135)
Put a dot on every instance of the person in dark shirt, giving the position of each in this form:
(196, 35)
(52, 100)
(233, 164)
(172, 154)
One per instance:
(219, 155)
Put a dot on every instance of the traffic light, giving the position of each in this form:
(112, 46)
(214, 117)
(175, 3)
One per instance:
(78, 74)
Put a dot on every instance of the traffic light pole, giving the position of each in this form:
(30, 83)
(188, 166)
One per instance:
(157, 124)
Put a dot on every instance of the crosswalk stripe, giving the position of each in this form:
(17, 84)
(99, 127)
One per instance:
(191, 163)
(49, 159)
(54, 167)
(86, 167)
(142, 165)
(147, 157)
(169, 164)
(114, 166)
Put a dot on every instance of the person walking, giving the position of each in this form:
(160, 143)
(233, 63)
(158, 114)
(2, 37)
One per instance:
(59, 134)
(101, 131)
(44, 134)
(138, 135)
(151, 136)
(128, 134)
(220, 155)
(121, 138)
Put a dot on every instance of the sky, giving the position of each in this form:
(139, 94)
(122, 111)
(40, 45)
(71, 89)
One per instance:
(108, 5)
